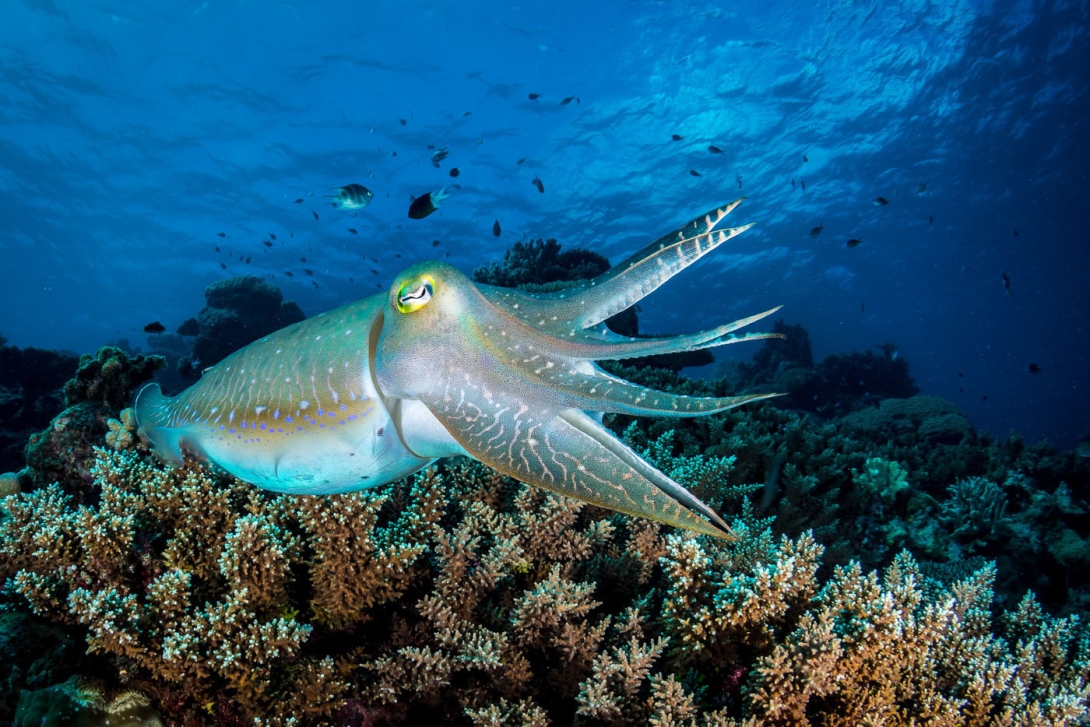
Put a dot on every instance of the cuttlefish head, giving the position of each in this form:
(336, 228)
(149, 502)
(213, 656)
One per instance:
(511, 376)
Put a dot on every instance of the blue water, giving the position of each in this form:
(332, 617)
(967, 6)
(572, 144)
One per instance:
(131, 133)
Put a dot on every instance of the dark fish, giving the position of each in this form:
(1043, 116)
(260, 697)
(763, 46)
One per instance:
(714, 149)
(805, 158)
(984, 398)
(569, 99)
(302, 259)
(961, 374)
(862, 308)
(308, 271)
(694, 172)
(1015, 231)
(427, 203)
(738, 178)
(352, 196)
(1033, 368)
(374, 272)
(267, 243)
(352, 230)
(816, 231)
(1007, 285)
(154, 327)
(539, 184)
(454, 172)
(520, 161)
(393, 153)
(467, 113)
(403, 122)
(921, 188)
(931, 219)
(435, 243)
(439, 156)
(854, 242)
(496, 228)
(217, 248)
(223, 266)
(314, 283)
(315, 214)
(221, 234)
(249, 258)
(792, 184)
(802, 183)
(299, 201)
(289, 273)
(535, 96)
(272, 236)
(880, 202)
(676, 137)
(351, 280)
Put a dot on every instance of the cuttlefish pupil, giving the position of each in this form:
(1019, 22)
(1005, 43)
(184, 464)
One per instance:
(412, 299)
(308, 410)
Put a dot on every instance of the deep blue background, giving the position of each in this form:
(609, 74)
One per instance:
(132, 132)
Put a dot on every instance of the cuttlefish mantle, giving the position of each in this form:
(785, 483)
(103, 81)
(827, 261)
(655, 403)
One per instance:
(442, 366)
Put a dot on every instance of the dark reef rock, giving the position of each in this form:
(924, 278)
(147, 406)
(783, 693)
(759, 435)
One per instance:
(101, 388)
(840, 384)
(541, 261)
(31, 380)
(240, 310)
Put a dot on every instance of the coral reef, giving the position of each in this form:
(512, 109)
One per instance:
(539, 262)
(892, 567)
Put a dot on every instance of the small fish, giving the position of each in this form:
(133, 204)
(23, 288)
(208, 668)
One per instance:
(535, 96)
(352, 230)
(374, 272)
(267, 243)
(223, 266)
(738, 179)
(880, 202)
(272, 236)
(805, 158)
(862, 308)
(855, 242)
(308, 271)
(221, 234)
(299, 201)
(217, 248)
(302, 259)
(792, 183)
(1007, 285)
(496, 228)
(439, 156)
(569, 99)
(154, 327)
(802, 183)
(1015, 231)
(454, 172)
(315, 214)
(289, 273)
(467, 113)
(931, 219)
(539, 184)
(403, 122)
(520, 161)
(714, 149)
(352, 196)
(314, 283)
(814, 232)
(921, 188)
(676, 137)
(984, 398)
(694, 172)
(249, 258)
(435, 243)
(1033, 368)
(961, 374)
(427, 203)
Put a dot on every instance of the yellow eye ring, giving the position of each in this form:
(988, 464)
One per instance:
(415, 294)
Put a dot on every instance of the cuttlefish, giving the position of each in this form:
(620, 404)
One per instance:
(441, 366)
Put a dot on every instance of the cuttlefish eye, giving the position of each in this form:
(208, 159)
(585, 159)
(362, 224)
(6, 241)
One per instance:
(415, 294)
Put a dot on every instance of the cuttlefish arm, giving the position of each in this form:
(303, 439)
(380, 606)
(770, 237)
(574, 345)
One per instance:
(513, 391)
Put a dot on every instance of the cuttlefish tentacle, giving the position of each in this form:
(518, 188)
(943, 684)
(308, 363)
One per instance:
(589, 303)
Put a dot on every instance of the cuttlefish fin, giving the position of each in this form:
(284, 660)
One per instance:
(571, 454)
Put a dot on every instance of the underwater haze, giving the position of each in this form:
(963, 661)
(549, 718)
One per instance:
(150, 149)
